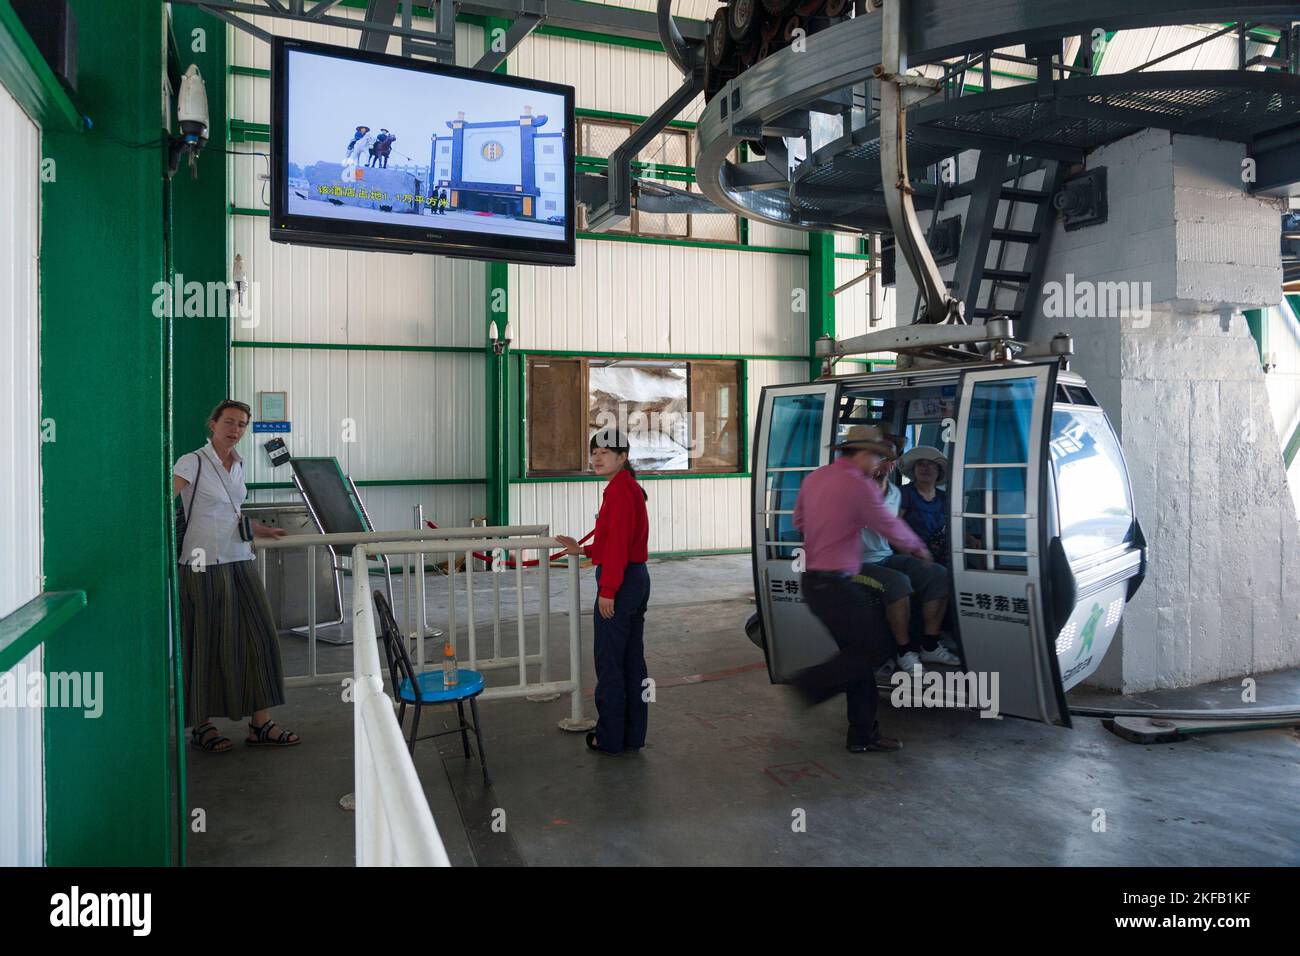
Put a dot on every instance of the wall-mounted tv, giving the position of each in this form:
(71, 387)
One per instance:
(371, 151)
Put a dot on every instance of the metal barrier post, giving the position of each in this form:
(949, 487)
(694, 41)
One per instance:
(451, 599)
(496, 605)
(519, 614)
(575, 722)
(544, 625)
(406, 593)
(544, 612)
(421, 603)
(469, 591)
(311, 609)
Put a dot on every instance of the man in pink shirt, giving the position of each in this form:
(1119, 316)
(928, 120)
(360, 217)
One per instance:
(836, 502)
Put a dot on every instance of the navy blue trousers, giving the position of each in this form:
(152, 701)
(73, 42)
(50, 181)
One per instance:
(622, 714)
(857, 623)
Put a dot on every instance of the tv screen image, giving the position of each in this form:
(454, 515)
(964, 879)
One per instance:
(374, 151)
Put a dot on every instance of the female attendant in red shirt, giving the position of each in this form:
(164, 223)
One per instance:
(619, 553)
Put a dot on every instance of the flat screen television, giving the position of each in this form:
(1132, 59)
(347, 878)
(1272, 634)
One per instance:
(371, 151)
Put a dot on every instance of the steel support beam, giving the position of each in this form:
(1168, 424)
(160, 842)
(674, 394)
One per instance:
(897, 89)
(938, 29)
(618, 206)
(380, 13)
(578, 15)
(252, 8)
(321, 8)
(1277, 171)
(957, 138)
(909, 337)
(237, 22)
(514, 36)
(670, 35)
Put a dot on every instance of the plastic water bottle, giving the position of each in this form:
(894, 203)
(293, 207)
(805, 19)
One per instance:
(450, 676)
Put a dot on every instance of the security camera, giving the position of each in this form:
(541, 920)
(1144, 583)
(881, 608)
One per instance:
(192, 112)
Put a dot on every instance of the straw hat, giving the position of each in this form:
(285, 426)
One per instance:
(924, 453)
(869, 437)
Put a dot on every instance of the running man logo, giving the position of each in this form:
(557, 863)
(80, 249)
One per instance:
(492, 151)
(1089, 630)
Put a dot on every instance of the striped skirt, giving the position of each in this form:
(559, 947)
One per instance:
(231, 650)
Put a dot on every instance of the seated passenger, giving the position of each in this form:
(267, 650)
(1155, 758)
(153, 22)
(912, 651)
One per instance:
(896, 577)
(924, 504)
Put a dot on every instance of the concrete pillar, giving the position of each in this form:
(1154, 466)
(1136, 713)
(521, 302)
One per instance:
(1181, 380)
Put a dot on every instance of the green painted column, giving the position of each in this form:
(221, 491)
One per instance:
(497, 377)
(821, 303)
(199, 208)
(105, 496)
(498, 396)
(1257, 322)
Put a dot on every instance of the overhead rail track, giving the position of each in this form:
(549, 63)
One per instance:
(1060, 112)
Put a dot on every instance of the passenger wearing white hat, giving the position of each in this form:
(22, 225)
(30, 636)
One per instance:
(924, 504)
(898, 579)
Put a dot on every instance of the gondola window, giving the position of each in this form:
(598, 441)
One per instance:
(994, 515)
(1092, 484)
(794, 447)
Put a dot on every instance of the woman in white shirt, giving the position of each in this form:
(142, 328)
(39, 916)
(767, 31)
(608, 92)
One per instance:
(231, 651)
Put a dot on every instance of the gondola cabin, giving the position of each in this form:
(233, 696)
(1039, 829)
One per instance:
(1044, 547)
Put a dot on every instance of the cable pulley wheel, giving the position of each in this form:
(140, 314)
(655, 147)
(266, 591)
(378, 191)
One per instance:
(742, 20)
(720, 45)
(792, 24)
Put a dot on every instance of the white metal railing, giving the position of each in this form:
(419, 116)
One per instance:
(456, 543)
(522, 657)
(313, 542)
(394, 823)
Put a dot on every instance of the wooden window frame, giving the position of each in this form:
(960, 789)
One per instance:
(583, 408)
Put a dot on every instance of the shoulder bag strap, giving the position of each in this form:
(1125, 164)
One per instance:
(194, 488)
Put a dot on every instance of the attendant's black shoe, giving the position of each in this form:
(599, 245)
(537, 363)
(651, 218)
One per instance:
(878, 744)
(591, 745)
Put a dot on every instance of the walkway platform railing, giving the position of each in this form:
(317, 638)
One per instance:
(394, 824)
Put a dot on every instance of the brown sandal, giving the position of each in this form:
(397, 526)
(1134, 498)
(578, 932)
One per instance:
(285, 738)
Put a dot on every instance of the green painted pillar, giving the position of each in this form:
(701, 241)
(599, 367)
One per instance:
(1257, 322)
(498, 370)
(821, 302)
(498, 396)
(109, 779)
(199, 213)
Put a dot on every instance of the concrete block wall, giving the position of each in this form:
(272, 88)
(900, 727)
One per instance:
(1182, 384)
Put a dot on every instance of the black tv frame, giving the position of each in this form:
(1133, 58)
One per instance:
(387, 237)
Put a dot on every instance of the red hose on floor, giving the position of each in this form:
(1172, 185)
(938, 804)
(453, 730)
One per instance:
(528, 564)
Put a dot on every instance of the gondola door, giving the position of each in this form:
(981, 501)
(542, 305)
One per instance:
(998, 500)
(796, 424)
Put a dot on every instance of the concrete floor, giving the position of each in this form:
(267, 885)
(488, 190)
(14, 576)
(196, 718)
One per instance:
(735, 773)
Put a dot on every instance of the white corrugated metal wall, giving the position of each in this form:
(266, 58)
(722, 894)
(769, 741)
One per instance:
(399, 415)
(420, 414)
(22, 777)
(648, 298)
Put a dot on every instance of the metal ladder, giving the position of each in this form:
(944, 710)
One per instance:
(986, 244)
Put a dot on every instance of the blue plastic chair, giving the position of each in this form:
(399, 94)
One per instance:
(426, 689)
